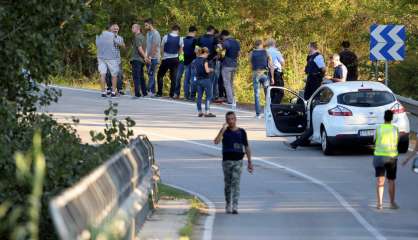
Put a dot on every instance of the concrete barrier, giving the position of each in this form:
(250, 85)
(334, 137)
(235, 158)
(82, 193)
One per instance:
(119, 192)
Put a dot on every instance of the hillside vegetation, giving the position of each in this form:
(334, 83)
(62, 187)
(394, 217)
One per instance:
(293, 23)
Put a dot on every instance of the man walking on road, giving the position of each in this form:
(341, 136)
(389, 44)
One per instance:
(234, 147)
(138, 60)
(349, 59)
(108, 57)
(172, 45)
(315, 69)
(153, 54)
(229, 65)
(385, 159)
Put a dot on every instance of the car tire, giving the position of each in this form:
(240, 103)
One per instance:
(326, 146)
(403, 146)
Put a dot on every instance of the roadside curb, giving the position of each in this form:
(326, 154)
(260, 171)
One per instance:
(210, 219)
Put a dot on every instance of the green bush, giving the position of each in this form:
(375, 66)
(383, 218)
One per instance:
(67, 159)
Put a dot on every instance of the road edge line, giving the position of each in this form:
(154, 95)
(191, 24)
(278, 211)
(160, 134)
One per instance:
(210, 219)
(341, 200)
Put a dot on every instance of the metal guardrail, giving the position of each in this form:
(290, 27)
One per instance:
(117, 191)
(411, 106)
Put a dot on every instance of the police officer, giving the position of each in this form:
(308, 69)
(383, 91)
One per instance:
(234, 148)
(385, 159)
(172, 44)
(210, 41)
(315, 69)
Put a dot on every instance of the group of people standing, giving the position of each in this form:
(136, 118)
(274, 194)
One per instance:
(208, 63)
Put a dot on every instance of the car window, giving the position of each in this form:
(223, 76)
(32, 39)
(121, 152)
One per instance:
(323, 96)
(366, 98)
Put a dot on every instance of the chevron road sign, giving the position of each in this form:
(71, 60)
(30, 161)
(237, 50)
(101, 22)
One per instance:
(387, 42)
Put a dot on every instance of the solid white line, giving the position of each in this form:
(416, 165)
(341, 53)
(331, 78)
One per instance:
(373, 231)
(208, 227)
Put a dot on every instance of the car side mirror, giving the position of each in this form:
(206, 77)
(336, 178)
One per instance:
(415, 165)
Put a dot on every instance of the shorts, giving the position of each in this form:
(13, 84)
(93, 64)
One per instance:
(385, 166)
(109, 64)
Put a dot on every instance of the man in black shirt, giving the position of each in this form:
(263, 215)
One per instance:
(349, 59)
(234, 148)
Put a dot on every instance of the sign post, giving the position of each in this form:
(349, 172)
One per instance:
(387, 43)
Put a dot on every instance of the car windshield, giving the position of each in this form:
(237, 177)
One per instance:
(366, 98)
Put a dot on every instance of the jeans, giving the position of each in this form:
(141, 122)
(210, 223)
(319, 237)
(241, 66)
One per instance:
(216, 65)
(204, 85)
(179, 75)
(188, 85)
(138, 77)
(168, 64)
(259, 78)
(151, 75)
(228, 74)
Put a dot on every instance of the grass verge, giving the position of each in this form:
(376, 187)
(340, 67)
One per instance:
(196, 210)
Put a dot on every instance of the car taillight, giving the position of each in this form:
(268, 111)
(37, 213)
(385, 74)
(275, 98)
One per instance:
(398, 108)
(340, 111)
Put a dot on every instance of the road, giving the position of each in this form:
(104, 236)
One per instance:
(291, 195)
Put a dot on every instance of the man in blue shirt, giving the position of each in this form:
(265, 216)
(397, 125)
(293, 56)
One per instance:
(234, 147)
(315, 69)
(189, 45)
(172, 45)
(229, 64)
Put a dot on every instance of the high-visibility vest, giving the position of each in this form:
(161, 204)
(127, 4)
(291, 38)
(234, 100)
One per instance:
(387, 137)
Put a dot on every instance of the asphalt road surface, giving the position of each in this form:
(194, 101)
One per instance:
(291, 195)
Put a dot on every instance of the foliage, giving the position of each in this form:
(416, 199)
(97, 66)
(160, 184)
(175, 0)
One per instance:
(67, 160)
(30, 171)
(292, 23)
(115, 132)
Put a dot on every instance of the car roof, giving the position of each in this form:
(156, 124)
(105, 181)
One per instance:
(353, 86)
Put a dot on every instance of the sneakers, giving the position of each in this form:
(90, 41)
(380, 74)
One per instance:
(121, 93)
(113, 95)
(235, 211)
(210, 115)
(228, 209)
(258, 116)
(108, 92)
(104, 94)
(289, 145)
(394, 206)
(200, 114)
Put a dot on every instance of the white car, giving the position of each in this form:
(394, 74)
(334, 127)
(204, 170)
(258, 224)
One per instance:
(340, 114)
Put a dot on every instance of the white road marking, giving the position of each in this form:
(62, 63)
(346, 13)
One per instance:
(373, 231)
(208, 228)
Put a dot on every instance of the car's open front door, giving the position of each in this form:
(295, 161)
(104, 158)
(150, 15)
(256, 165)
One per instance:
(285, 112)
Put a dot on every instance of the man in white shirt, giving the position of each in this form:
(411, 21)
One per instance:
(108, 57)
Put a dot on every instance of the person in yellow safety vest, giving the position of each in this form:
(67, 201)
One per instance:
(385, 159)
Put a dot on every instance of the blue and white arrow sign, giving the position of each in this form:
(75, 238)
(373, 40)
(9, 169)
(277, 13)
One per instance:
(387, 42)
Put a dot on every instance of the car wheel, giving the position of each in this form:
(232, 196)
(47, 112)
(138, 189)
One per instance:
(403, 146)
(327, 149)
